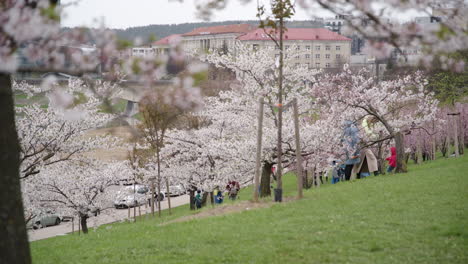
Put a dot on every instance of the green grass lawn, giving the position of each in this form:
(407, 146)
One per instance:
(418, 217)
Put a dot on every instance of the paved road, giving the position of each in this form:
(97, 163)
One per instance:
(107, 216)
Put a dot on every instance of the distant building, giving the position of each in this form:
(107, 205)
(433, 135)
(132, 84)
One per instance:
(216, 37)
(314, 47)
(337, 24)
(162, 46)
(143, 51)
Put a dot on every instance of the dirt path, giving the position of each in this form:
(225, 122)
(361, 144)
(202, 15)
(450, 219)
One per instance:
(227, 209)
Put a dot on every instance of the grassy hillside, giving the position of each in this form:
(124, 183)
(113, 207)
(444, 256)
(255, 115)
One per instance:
(419, 217)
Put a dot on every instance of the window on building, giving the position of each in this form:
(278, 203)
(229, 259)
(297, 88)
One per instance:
(327, 47)
(327, 56)
(338, 47)
(307, 47)
(338, 56)
(317, 56)
(297, 57)
(317, 47)
(327, 65)
(287, 47)
(298, 47)
(307, 56)
(317, 64)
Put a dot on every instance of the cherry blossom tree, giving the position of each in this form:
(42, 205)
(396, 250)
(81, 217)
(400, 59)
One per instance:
(76, 187)
(395, 105)
(32, 27)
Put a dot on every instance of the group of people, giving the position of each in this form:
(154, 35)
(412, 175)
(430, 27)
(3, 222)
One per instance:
(232, 190)
(359, 163)
(362, 166)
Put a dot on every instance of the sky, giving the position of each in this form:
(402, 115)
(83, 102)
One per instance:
(131, 13)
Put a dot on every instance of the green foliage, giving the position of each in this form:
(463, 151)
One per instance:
(418, 217)
(199, 77)
(124, 44)
(448, 86)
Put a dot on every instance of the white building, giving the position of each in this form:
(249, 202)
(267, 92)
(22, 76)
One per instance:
(314, 47)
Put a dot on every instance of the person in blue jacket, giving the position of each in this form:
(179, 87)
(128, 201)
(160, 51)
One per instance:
(351, 140)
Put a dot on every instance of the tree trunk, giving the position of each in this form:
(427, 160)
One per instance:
(84, 223)
(212, 199)
(192, 199)
(14, 245)
(419, 154)
(400, 153)
(204, 198)
(380, 158)
(265, 190)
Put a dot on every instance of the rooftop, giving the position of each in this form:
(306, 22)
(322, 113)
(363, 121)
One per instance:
(236, 28)
(297, 34)
(167, 40)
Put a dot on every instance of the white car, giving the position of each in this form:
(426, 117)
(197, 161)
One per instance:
(133, 195)
(176, 190)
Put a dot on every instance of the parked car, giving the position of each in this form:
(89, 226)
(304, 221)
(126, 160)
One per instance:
(48, 219)
(133, 195)
(176, 190)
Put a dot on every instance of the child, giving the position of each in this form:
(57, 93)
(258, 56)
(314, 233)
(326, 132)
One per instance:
(335, 177)
(391, 160)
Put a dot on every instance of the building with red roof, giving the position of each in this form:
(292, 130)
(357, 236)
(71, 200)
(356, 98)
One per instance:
(312, 47)
(216, 37)
(162, 46)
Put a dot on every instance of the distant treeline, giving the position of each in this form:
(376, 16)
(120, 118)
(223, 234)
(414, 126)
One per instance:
(151, 32)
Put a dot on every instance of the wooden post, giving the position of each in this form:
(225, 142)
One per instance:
(153, 193)
(259, 148)
(298, 150)
(134, 211)
(168, 196)
(79, 225)
(455, 135)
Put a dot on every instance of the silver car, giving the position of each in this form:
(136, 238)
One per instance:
(131, 196)
(48, 219)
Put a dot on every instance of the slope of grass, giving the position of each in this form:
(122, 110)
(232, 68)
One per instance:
(418, 217)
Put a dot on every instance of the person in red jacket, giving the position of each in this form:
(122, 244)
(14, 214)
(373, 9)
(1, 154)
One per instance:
(392, 160)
